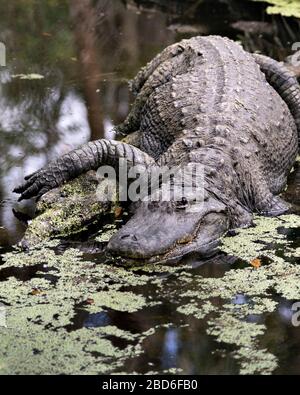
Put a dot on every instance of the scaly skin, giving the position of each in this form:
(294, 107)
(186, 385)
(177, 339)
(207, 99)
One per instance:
(201, 101)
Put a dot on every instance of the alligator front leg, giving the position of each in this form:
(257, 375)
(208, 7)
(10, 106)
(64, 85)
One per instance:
(255, 193)
(79, 161)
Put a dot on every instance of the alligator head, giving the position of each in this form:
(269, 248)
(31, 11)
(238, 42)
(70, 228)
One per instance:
(161, 230)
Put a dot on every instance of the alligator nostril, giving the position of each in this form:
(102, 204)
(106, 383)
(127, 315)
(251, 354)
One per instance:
(133, 237)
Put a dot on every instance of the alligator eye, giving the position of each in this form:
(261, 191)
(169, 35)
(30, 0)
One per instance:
(184, 200)
(182, 204)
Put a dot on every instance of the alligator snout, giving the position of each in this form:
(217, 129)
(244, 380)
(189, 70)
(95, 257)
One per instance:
(128, 245)
(129, 237)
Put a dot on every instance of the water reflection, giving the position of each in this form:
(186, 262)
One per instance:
(85, 53)
(97, 319)
(170, 348)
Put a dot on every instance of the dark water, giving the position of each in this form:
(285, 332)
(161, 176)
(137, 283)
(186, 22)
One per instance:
(86, 56)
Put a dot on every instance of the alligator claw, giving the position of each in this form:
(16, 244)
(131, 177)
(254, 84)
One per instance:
(31, 175)
(29, 192)
(41, 193)
(34, 185)
(22, 188)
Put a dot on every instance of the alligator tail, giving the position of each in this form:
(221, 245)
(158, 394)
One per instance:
(284, 82)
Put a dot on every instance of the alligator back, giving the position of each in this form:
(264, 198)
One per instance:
(216, 93)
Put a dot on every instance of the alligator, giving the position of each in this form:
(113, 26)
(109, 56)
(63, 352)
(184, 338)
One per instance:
(203, 101)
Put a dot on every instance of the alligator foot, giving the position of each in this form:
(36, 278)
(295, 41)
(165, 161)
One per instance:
(276, 206)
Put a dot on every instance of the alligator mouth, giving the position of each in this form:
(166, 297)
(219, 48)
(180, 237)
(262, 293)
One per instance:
(180, 249)
(208, 250)
(201, 241)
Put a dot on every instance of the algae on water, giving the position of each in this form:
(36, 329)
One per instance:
(283, 7)
(42, 334)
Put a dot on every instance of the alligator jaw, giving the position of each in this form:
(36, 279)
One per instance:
(174, 255)
(202, 240)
